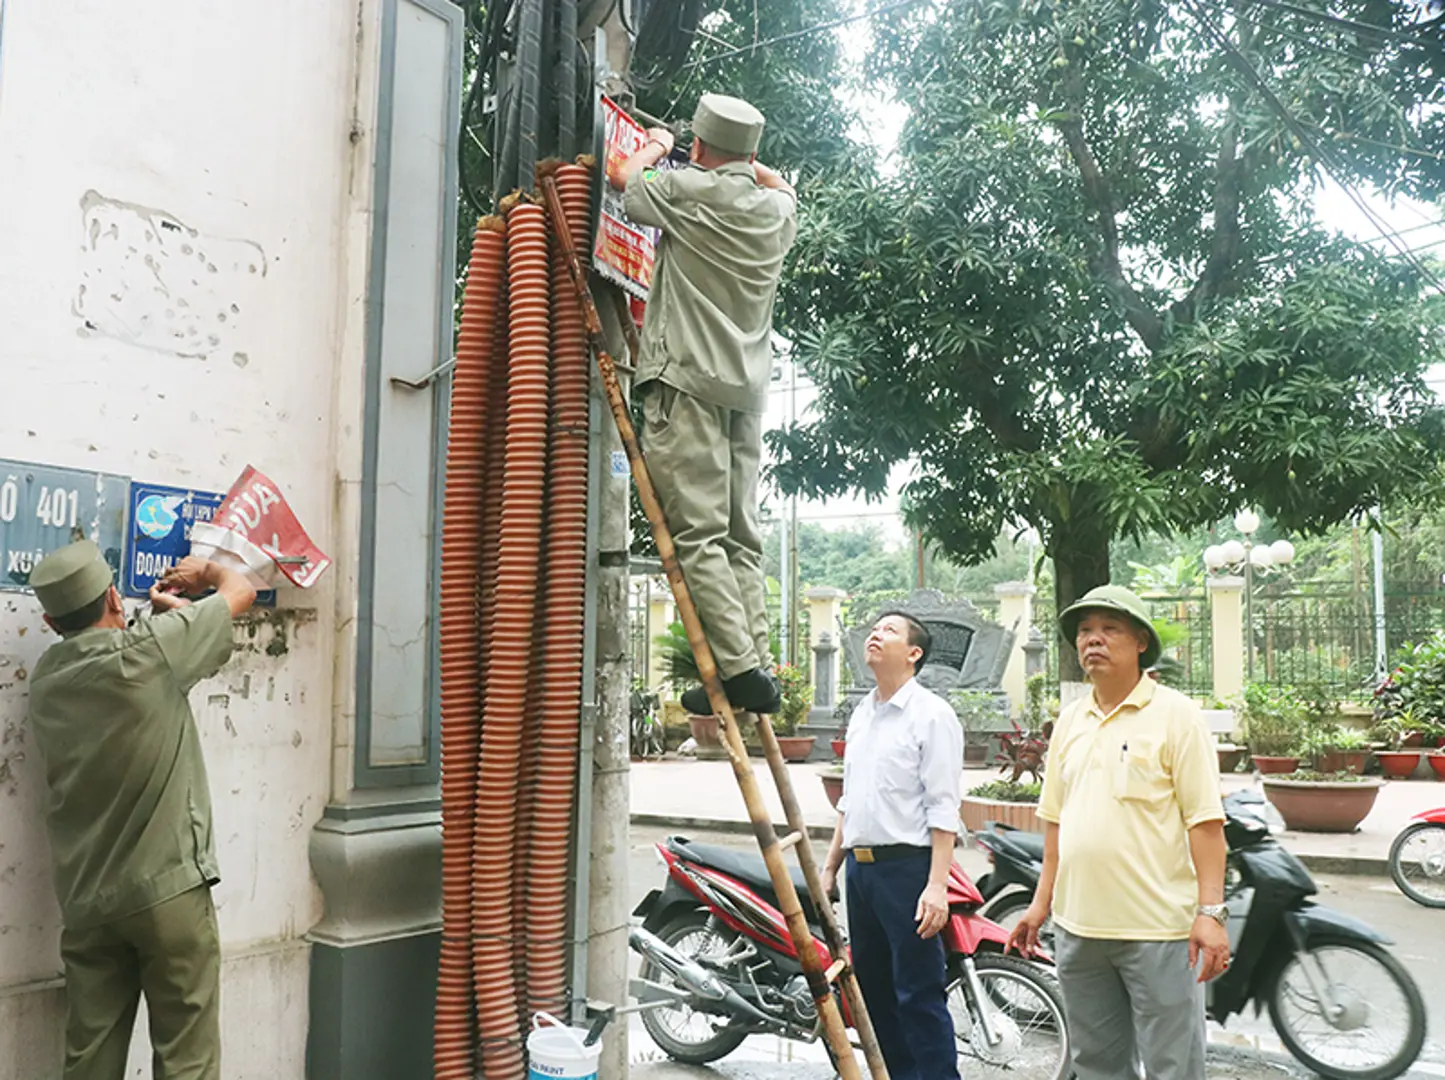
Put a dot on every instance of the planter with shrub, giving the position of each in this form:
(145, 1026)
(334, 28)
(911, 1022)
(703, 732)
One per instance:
(797, 700)
(979, 714)
(1273, 719)
(1410, 704)
(1005, 801)
(1322, 802)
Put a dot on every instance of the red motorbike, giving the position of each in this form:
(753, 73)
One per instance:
(718, 965)
(1417, 859)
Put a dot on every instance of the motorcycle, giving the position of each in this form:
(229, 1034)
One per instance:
(718, 965)
(1339, 1001)
(1016, 860)
(1417, 859)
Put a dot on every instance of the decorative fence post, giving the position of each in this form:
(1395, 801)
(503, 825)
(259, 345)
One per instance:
(1226, 607)
(825, 606)
(1016, 614)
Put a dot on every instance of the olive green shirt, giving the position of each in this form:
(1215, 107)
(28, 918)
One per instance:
(130, 807)
(709, 323)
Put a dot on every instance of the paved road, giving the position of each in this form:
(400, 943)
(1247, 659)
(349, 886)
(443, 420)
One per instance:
(1418, 932)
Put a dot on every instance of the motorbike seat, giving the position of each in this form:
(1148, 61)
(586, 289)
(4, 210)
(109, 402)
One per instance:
(751, 870)
(1029, 845)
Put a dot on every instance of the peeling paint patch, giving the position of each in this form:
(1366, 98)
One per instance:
(149, 279)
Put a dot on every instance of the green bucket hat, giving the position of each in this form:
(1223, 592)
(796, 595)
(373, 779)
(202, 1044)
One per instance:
(70, 577)
(1113, 598)
(728, 124)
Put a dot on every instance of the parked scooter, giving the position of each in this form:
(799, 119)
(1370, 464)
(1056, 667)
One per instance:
(1340, 1002)
(719, 965)
(1417, 859)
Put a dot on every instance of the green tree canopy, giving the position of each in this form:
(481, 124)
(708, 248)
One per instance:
(1093, 296)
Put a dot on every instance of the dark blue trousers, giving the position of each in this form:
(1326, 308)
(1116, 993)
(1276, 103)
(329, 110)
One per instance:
(901, 975)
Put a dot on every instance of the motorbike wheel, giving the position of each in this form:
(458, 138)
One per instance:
(1417, 863)
(1006, 908)
(683, 1033)
(1026, 1012)
(1375, 996)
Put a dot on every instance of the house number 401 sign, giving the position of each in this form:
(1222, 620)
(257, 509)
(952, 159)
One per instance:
(43, 508)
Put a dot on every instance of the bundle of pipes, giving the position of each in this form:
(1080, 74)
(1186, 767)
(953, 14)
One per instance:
(513, 591)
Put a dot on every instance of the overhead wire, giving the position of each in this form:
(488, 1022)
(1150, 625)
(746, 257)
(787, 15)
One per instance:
(1402, 37)
(1316, 150)
(806, 31)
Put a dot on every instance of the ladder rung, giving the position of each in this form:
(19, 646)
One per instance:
(835, 969)
(790, 841)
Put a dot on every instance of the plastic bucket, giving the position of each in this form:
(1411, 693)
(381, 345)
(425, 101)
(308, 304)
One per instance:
(557, 1052)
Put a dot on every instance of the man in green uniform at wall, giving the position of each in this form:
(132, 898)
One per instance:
(130, 809)
(727, 221)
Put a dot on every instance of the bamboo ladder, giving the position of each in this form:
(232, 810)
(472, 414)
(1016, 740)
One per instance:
(820, 981)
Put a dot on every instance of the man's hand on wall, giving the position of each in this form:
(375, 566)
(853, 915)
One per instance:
(191, 575)
(161, 602)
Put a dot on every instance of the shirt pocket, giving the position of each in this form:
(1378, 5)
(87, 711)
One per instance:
(897, 769)
(1139, 776)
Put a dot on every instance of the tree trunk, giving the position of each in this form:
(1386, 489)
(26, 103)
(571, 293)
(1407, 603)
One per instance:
(1081, 562)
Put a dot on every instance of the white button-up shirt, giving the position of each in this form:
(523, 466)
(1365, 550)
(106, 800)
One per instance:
(902, 770)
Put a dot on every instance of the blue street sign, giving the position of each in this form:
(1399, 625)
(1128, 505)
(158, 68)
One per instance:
(160, 530)
(43, 507)
(160, 535)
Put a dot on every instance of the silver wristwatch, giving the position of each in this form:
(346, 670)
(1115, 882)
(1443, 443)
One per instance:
(1218, 912)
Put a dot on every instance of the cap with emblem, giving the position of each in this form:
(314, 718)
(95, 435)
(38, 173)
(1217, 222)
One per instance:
(728, 124)
(71, 577)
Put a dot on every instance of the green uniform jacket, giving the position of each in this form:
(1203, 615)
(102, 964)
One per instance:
(709, 324)
(130, 807)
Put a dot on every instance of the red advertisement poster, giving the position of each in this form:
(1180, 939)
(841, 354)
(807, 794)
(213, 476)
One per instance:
(256, 510)
(623, 251)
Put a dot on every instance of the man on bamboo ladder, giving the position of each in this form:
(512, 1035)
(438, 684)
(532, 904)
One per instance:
(727, 221)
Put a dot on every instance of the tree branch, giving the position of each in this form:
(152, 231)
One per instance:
(1145, 321)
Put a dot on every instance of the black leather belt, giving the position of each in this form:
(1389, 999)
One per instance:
(887, 852)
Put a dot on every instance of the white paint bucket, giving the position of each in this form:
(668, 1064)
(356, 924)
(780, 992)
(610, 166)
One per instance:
(557, 1052)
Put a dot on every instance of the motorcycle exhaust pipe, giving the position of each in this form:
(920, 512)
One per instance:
(697, 979)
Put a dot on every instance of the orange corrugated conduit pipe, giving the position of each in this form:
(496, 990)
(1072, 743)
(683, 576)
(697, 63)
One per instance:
(510, 658)
(467, 493)
(560, 667)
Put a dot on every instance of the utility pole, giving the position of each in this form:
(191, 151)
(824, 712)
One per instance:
(607, 886)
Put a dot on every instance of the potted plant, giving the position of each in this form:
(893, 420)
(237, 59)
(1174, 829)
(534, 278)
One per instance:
(1416, 684)
(1397, 728)
(676, 653)
(979, 714)
(832, 777)
(1342, 749)
(797, 699)
(1322, 802)
(1231, 755)
(1272, 720)
(1006, 801)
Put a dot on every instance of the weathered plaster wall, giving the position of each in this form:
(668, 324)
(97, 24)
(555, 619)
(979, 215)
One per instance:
(182, 255)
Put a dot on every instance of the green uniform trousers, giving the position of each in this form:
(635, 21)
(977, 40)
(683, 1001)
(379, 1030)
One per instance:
(171, 953)
(704, 462)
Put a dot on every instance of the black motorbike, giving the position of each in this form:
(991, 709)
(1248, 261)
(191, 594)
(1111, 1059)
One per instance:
(1340, 1002)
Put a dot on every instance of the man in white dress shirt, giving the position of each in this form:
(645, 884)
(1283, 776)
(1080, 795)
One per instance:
(897, 828)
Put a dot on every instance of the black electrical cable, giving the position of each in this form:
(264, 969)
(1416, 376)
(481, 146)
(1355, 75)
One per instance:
(566, 79)
(806, 31)
(1315, 149)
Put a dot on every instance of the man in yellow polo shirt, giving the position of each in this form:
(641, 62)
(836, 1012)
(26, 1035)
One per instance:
(1134, 855)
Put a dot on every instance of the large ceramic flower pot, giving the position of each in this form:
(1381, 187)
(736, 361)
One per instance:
(705, 733)
(1269, 764)
(1229, 757)
(1437, 762)
(839, 747)
(1335, 761)
(1398, 764)
(975, 754)
(975, 812)
(796, 747)
(1322, 806)
(832, 787)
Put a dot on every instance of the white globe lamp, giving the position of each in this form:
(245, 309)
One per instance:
(1282, 552)
(1260, 557)
(1246, 521)
(1233, 552)
(1214, 557)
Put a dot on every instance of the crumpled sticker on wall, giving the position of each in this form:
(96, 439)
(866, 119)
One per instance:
(149, 279)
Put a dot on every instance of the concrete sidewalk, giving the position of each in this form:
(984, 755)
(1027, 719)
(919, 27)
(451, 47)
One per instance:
(682, 794)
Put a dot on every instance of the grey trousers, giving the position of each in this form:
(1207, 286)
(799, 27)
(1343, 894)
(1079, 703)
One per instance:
(1128, 999)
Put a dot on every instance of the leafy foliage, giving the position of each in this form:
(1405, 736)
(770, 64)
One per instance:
(1272, 718)
(1093, 298)
(1008, 791)
(1414, 691)
(1022, 751)
(797, 699)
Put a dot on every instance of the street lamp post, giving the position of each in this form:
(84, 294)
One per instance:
(1232, 556)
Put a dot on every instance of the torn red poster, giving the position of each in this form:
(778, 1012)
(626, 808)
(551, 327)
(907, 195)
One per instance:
(255, 510)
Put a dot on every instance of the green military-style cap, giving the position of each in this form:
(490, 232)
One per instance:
(728, 124)
(1119, 599)
(71, 577)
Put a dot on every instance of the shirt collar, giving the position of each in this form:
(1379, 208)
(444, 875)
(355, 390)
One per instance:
(740, 168)
(900, 698)
(1141, 695)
